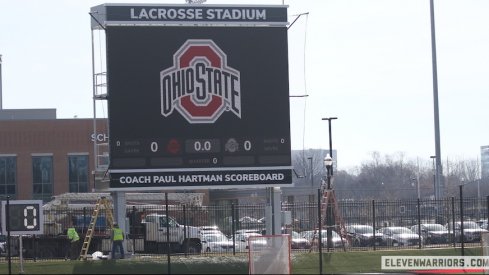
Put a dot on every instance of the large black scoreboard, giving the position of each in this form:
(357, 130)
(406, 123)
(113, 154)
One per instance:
(198, 96)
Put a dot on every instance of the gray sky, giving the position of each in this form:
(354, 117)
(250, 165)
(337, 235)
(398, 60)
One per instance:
(367, 62)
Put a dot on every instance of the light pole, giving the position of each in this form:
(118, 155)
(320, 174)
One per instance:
(462, 241)
(328, 163)
(438, 170)
(434, 177)
(330, 139)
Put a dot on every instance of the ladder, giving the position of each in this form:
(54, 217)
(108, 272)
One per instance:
(102, 201)
(329, 199)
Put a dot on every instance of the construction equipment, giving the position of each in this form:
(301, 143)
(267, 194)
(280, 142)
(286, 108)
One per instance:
(104, 203)
(329, 200)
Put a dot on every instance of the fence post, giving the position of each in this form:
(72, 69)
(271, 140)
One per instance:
(453, 222)
(419, 225)
(144, 226)
(7, 227)
(84, 219)
(320, 229)
(233, 229)
(185, 230)
(168, 247)
(133, 227)
(461, 220)
(373, 223)
(487, 212)
(35, 247)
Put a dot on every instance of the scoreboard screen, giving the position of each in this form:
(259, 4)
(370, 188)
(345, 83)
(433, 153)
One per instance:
(198, 106)
(25, 217)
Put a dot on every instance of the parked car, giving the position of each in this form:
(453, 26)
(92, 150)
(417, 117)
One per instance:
(242, 241)
(472, 232)
(250, 222)
(312, 236)
(299, 242)
(248, 231)
(399, 236)
(14, 245)
(363, 235)
(216, 243)
(247, 219)
(483, 224)
(3, 244)
(432, 233)
(210, 229)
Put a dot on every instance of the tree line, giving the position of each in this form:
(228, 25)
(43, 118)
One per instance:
(391, 176)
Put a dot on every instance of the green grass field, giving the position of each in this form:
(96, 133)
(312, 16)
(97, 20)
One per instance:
(302, 263)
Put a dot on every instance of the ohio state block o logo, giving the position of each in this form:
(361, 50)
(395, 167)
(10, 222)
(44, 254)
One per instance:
(200, 85)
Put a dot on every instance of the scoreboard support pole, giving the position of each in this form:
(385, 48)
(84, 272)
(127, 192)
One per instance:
(7, 224)
(21, 256)
(273, 211)
(119, 199)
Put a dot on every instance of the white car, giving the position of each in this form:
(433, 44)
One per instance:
(248, 231)
(242, 241)
(3, 244)
(299, 242)
(210, 229)
(14, 249)
(312, 236)
(216, 243)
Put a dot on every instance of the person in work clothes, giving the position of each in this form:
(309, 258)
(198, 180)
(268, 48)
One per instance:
(73, 238)
(117, 239)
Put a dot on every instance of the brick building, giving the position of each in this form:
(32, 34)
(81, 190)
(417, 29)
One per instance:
(40, 158)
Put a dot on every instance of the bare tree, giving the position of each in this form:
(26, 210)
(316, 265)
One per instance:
(390, 176)
(465, 172)
(309, 165)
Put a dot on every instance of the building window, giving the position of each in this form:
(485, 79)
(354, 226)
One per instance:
(8, 176)
(42, 177)
(78, 173)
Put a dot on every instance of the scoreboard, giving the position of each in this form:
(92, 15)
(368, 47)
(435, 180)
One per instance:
(197, 103)
(25, 217)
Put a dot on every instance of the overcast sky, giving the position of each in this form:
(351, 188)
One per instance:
(367, 62)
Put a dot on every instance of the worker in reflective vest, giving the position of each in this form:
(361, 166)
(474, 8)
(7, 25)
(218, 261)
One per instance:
(117, 239)
(72, 245)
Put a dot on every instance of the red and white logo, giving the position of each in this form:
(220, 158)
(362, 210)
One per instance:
(200, 85)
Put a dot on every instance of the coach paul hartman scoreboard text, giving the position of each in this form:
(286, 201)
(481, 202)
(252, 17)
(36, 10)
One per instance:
(182, 178)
